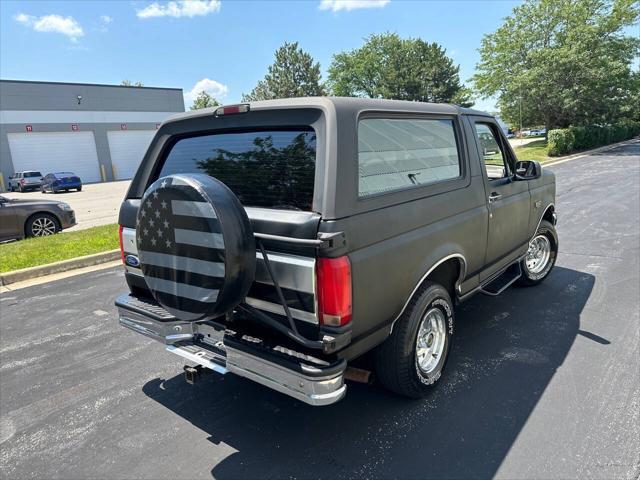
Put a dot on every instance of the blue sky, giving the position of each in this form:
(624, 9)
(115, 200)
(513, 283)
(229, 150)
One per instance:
(222, 46)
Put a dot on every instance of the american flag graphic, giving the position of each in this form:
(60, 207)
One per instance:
(180, 247)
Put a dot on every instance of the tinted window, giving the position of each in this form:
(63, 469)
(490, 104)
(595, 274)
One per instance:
(32, 174)
(62, 174)
(495, 161)
(395, 154)
(272, 169)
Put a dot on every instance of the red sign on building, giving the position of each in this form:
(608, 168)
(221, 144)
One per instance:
(29, 128)
(75, 127)
(123, 126)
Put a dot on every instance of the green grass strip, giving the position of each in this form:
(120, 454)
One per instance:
(536, 150)
(33, 252)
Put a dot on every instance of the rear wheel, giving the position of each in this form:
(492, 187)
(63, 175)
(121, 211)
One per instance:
(412, 359)
(541, 256)
(41, 225)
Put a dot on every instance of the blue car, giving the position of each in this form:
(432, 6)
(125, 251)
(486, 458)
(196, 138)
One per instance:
(61, 181)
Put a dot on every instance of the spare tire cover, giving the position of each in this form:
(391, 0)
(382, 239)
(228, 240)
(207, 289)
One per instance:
(196, 246)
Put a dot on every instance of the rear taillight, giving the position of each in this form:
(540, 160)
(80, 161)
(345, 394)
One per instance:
(121, 244)
(334, 291)
(22, 181)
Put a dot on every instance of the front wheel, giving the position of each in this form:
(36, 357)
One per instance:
(79, 189)
(541, 256)
(42, 224)
(412, 359)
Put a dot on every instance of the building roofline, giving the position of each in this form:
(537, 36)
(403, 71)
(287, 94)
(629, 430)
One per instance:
(40, 82)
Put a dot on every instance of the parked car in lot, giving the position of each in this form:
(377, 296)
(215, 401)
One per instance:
(60, 182)
(282, 240)
(33, 218)
(23, 181)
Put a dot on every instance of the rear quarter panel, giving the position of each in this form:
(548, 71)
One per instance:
(391, 249)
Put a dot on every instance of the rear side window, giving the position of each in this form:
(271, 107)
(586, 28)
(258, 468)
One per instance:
(32, 174)
(396, 154)
(265, 168)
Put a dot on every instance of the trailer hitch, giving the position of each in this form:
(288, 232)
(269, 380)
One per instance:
(194, 374)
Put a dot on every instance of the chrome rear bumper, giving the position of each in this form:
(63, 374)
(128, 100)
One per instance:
(300, 376)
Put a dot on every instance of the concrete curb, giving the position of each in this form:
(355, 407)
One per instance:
(589, 152)
(57, 267)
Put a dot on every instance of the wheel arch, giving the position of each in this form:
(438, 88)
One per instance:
(548, 214)
(449, 271)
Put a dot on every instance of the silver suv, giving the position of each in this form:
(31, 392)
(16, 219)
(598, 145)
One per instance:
(23, 181)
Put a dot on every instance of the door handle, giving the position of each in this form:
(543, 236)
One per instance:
(494, 197)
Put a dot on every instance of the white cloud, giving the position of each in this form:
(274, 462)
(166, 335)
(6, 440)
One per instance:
(213, 88)
(180, 8)
(52, 23)
(348, 5)
(106, 19)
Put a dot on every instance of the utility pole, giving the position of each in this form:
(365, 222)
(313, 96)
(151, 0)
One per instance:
(520, 133)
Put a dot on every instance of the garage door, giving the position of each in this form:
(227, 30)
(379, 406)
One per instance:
(56, 152)
(127, 149)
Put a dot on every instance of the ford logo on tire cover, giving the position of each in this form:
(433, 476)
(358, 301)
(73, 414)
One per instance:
(195, 245)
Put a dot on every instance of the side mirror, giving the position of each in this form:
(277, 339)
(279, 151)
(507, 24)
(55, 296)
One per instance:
(528, 170)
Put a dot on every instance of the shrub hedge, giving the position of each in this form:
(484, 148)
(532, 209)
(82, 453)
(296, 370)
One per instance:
(567, 140)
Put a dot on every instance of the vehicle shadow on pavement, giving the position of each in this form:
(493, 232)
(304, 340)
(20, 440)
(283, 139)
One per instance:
(506, 352)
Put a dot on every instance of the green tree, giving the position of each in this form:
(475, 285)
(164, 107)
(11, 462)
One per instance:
(204, 100)
(561, 62)
(388, 66)
(292, 74)
(129, 83)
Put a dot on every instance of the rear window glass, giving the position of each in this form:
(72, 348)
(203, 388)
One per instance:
(396, 154)
(266, 168)
(32, 174)
(63, 174)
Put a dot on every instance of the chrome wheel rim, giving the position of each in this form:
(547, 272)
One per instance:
(538, 254)
(42, 226)
(430, 340)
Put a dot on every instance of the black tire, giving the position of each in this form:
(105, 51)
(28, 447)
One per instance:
(79, 189)
(530, 278)
(396, 359)
(35, 226)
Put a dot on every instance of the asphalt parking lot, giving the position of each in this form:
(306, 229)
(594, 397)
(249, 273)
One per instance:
(543, 382)
(97, 203)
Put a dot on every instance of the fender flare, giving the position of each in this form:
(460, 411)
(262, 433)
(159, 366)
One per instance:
(463, 272)
(544, 212)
